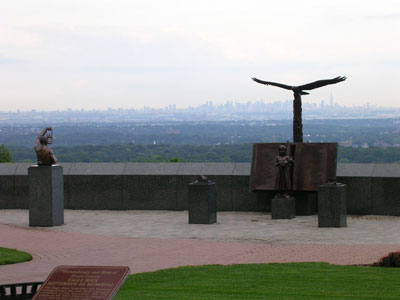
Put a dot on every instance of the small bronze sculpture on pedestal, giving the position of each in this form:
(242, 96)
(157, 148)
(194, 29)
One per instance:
(45, 156)
(283, 180)
(46, 185)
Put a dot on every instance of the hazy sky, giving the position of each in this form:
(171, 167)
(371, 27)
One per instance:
(57, 54)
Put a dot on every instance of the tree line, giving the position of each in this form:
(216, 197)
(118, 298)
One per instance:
(184, 153)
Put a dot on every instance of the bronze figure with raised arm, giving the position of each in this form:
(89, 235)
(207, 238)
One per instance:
(45, 156)
(298, 91)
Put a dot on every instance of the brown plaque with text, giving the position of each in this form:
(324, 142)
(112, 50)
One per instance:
(82, 283)
(263, 165)
(314, 164)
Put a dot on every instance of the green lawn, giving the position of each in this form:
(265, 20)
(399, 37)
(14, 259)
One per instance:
(265, 281)
(12, 256)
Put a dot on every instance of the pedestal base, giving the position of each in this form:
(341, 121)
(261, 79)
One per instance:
(46, 193)
(202, 203)
(332, 205)
(283, 208)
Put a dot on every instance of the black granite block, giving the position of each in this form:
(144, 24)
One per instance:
(149, 192)
(332, 205)
(244, 200)
(283, 208)
(75, 191)
(306, 203)
(7, 192)
(182, 191)
(359, 194)
(202, 203)
(224, 191)
(46, 191)
(21, 191)
(386, 196)
(94, 192)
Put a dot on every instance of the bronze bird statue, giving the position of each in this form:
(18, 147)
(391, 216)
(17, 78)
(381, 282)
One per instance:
(300, 89)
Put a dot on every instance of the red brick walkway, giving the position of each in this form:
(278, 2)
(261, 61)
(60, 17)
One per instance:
(52, 248)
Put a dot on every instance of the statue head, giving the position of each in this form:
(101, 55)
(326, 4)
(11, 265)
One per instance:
(43, 140)
(282, 150)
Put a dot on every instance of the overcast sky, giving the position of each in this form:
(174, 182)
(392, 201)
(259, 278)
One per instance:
(57, 54)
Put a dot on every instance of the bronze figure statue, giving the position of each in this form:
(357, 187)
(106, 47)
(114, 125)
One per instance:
(45, 156)
(298, 91)
(283, 179)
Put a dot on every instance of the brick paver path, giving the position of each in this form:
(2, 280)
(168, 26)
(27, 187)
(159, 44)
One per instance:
(153, 240)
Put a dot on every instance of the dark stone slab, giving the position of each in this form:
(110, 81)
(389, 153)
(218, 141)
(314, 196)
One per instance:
(224, 191)
(7, 192)
(355, 170)
(46, 191)
(243, 200)
(387, 170)
(283, 208)
(386, 196)
(149, 192)
(359, 194)
(332, 205)
(97, 169)
(202, 203)
(306, 203)
(151, 168)
(94, 192)
(21, 191)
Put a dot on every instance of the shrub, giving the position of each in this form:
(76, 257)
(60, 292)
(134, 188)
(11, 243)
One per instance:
(391, 260)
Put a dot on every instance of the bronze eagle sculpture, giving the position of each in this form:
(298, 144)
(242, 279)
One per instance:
(298, 91)
(301, 88)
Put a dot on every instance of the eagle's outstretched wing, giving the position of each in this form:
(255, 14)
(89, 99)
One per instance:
(284, 86)
(320, 83)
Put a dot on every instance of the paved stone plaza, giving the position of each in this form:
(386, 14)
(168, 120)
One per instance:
(152, 240)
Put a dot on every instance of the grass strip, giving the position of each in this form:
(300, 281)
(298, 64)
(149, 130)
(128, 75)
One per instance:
(265, 281)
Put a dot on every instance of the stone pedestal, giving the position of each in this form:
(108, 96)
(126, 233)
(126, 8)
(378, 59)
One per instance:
(332, 205)
(46, 195)
(202, 203)
(283, 208)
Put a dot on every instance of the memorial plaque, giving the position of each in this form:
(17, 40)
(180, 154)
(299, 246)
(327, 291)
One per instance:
(263, 170)
(82, 282)
(314, 164)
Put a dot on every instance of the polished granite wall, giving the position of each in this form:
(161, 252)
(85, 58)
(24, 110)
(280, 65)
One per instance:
(371, 188)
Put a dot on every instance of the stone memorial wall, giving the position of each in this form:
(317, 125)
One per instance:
(371, 188)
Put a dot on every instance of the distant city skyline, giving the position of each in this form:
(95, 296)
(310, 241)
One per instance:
(207, 111)
(96, 54)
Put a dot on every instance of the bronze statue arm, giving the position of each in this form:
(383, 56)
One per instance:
(42, 133)
(321, 83)
(284, 86)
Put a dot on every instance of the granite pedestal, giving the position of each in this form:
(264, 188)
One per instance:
(202, 203)
(46, 195)
(332, 205)
(283, 208)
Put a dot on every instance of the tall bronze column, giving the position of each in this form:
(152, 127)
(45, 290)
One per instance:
(297, 119)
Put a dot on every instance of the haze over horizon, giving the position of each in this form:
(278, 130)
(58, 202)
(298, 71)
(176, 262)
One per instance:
(98, 54)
